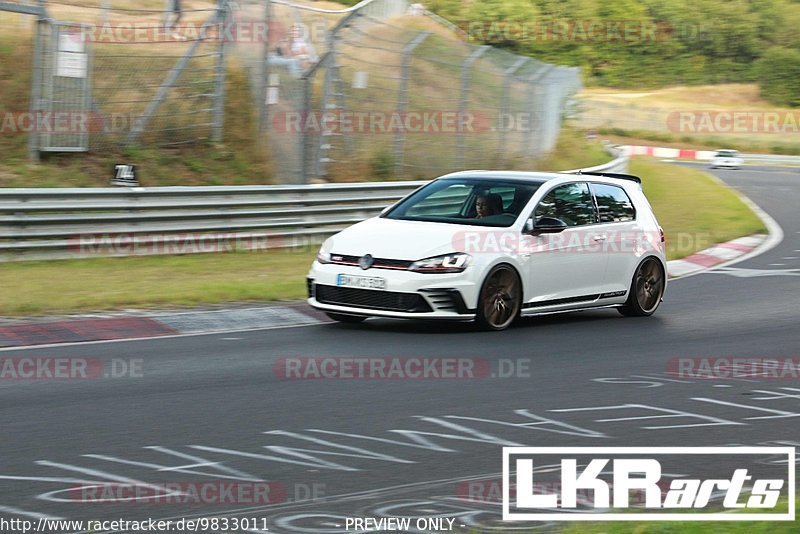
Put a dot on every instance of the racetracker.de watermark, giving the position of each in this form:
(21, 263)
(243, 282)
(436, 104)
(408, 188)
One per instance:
(180, 492)
(69, 368)
(232, 31)
(66, 122)
(577, 240)
(143, 31)
(432, 122)
(724, 367)
(399, 368)
(189, 243)
(734, 122)
(550, 30)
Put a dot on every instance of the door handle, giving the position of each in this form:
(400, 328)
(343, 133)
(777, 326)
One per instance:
(599, 238)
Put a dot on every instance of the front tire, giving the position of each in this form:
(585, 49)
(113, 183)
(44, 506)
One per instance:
(647, 289)
(500, 299)
(342, 318)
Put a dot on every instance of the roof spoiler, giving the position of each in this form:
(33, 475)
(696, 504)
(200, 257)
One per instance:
(617, 175)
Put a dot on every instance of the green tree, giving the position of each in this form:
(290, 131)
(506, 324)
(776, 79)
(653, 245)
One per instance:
(779, 75)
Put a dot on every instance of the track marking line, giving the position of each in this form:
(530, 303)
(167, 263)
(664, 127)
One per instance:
(35, 515)
(170, 336)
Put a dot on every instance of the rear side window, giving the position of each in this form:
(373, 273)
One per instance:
(506, 195)
(570, 203)
(613, 203)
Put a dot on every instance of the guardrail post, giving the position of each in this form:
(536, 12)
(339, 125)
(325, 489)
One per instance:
(402, 98)
(466, 79)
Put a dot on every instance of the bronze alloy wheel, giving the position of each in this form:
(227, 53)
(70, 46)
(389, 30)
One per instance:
(500, 297)
(646, 290)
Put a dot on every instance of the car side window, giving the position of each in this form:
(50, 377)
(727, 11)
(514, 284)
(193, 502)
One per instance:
(613, 203)
(571, 203)
(446, 202)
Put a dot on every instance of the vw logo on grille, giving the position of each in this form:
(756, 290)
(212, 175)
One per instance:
(365, 262)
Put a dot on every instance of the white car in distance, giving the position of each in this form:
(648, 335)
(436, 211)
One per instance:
(491, 246)
(728, 159)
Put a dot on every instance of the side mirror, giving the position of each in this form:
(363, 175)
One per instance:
(547, 225)
(528, 228)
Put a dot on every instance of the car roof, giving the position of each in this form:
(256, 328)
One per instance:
(525, 176)
(539, 177)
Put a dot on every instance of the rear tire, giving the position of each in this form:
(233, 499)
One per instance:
(342, 318)
(500, 299)
(647, 289)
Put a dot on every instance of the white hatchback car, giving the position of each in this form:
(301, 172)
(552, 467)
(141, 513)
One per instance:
(729, 159)
(490, 246)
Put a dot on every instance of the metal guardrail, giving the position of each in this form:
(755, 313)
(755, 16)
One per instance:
(771, 158)
(40, 224)
(74, 223)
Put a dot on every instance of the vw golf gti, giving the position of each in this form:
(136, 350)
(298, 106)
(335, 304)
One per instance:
(491, 246)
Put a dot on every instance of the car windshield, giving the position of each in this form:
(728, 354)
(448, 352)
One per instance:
(727, 153)
(472, 201)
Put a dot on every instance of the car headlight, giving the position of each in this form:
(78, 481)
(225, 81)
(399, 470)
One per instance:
(324, 254)
(455, 262)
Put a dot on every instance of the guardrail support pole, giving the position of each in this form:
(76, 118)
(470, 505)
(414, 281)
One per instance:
(218, 117)
(402, 99)
(505, 105)
(535, 103)
(307, 147)
(466, 79)
(37, 76)
(262, 89)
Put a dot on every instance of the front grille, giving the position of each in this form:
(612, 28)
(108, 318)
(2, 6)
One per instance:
(371, 298)
(377, 263)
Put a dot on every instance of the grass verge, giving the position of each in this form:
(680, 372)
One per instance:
(694, 210)
(690, 527)
(39, 287)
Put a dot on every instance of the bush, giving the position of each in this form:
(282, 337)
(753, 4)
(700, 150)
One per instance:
(382, 164)
(779, 74)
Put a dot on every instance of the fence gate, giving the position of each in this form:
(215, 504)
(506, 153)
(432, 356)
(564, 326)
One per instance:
(63, 114)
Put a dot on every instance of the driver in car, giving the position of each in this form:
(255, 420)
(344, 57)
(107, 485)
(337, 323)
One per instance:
(487, 205)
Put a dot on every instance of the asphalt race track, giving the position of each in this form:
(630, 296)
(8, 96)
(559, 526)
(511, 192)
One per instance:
(215, 408)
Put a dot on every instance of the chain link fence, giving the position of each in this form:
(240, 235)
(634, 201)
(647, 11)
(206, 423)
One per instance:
(110, 74)
(380, 90)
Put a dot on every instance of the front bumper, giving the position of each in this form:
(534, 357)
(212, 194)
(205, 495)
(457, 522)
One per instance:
(408, 295)
(727, 164)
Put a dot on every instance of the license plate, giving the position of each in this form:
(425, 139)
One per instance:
(364, 282)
